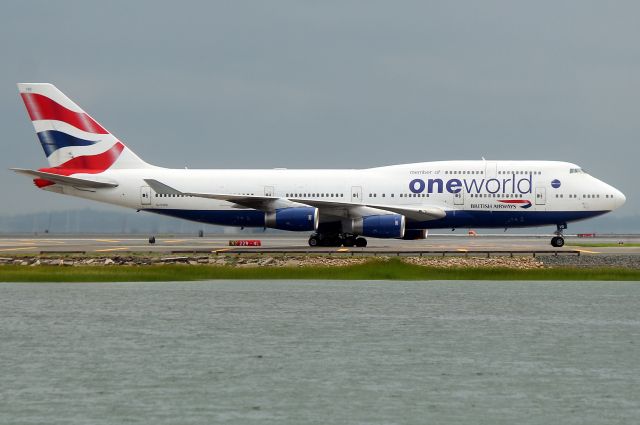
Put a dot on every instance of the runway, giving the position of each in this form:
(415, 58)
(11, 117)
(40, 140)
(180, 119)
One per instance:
(104, 245)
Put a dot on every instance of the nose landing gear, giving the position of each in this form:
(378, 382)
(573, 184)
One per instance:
(558, 240)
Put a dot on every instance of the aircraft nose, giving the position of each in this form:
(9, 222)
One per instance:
(619, 198)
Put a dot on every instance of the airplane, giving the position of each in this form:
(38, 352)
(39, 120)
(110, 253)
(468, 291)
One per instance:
(338, 207)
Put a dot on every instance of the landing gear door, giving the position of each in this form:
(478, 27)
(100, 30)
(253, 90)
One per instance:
(268, 191)
(541, 196)
(145, 195)
(356, 194)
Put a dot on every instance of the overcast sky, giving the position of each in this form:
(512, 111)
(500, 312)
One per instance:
(240, 84)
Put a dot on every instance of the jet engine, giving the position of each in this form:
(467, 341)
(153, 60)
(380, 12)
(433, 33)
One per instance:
(295, 218)
(377, 226)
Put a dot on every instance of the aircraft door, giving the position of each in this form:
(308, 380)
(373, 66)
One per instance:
(458, 198)
(356, 194)
(268, 191)
(541, 196)
(491, 170)
(145, 195)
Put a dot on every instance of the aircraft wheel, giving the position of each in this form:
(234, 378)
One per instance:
(361, 242)
(557, 242)
(349, 241)
(314, 240)
(152, 240)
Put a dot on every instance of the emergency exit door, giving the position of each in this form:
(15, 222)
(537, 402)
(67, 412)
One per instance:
(356, 194)
(541, 196)
(145, 195)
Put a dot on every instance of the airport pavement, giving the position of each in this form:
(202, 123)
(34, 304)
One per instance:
(104, 244)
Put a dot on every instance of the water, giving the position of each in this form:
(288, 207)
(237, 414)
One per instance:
(283, 352)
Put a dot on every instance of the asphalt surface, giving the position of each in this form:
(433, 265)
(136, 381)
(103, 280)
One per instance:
(13, 245)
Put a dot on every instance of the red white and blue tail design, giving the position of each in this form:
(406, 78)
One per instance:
(73, 141)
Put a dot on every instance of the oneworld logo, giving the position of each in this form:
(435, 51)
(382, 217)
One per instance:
(555, 183)
(505, 185)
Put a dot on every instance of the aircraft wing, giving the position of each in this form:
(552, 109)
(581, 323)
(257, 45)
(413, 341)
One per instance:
(333, 208)
(67, 180)
(265, 203)
(349, 209)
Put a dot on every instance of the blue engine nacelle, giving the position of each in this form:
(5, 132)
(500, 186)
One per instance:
(296, 219)
(379, 226)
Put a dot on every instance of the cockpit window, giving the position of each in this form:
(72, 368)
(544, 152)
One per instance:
(576, 170)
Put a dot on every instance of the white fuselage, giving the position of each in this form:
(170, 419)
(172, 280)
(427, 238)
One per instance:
(473, 193)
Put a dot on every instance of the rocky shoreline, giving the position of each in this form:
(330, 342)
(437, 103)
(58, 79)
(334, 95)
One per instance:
(517, 262)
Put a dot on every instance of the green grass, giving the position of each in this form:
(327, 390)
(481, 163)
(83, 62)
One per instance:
(604, 245)
(373, 270)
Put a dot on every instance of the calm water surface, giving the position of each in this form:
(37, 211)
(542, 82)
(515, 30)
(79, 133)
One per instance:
(320, 352)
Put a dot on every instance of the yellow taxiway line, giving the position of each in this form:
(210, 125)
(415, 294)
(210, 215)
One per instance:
(18, 249)
(112, 249)
(587, 251)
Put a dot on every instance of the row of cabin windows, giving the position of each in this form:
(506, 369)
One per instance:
(587, 196)
(314, 195)
(401, 195)
(499, 172)
(496, 195)
(167, 195)
(520, 172)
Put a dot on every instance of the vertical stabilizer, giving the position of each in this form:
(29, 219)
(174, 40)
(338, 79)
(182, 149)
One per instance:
(71, 138)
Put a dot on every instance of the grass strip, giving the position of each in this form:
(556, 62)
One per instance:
(372, 270)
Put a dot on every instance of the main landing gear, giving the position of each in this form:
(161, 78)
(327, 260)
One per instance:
(337, 239)
(558, 241)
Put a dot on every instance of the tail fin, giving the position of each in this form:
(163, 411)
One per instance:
(71, 139)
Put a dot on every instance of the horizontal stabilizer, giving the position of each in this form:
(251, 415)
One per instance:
(66, 180)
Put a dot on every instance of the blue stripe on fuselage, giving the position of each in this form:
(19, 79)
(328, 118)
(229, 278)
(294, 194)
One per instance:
(503, 219)
(238, 218)
(52, 140)
(454, 218)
